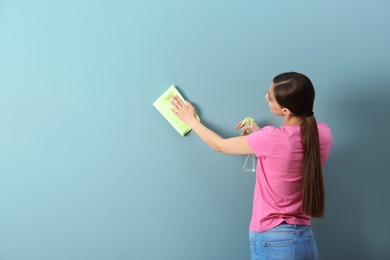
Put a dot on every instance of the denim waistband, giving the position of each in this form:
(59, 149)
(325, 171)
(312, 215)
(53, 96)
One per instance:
(291, 228)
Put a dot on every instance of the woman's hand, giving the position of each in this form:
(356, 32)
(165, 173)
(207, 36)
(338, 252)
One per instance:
(247, 128)
(183, 110)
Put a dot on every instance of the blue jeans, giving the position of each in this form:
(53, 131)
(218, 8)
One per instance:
(284, 242)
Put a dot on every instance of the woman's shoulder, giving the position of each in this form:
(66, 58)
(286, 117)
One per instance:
(324, 131)
(292, 128)
(270, 129)
(265, 131)
(278, 132)
(322, 126)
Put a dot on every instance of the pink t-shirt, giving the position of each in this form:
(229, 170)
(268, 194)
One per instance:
(278, 188)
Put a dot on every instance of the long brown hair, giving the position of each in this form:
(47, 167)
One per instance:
(295, 92)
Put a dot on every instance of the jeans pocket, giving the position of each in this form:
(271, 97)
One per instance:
(283, 250)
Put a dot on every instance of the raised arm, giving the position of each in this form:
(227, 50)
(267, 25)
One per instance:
(186, 112)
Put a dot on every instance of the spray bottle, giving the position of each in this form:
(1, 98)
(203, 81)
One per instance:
(249, 161)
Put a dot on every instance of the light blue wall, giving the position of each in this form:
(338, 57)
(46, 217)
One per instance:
(90, 170)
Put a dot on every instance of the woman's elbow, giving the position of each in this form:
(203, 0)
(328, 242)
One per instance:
(218, 146)
(218, 149)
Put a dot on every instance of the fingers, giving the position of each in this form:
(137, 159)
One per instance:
(255, 127)
(180, 106)
(239, 125)
(190, 105)
(246, 130)
(174, 111)
(247, 127)
(242, 124)
(176, 102)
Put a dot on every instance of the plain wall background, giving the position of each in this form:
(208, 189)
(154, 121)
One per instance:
(90, 170)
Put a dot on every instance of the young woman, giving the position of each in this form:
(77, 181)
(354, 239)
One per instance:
(289, 186)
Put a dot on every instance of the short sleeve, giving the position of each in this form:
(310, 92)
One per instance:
(326, 141)
(261, 141)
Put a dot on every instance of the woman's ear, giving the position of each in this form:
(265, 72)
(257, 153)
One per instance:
(286, 112)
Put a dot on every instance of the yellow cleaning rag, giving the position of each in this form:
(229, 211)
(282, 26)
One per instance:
(164, 106)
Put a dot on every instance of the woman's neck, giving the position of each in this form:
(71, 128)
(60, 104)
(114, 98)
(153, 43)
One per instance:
(292, 120)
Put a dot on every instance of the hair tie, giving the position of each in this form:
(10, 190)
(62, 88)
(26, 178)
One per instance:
(310, 114)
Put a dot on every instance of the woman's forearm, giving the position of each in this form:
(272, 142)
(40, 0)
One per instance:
(209, 137)
(187, 113)
(234, 145)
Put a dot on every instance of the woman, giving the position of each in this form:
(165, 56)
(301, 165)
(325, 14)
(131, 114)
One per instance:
(289, 186)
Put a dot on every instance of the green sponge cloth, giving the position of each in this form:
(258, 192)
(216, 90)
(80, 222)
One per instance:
(164, 106)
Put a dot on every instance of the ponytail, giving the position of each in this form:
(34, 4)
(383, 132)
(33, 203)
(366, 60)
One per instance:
(296, 92)
(313, 195)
